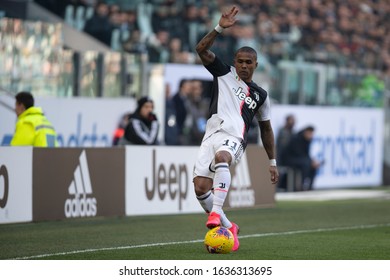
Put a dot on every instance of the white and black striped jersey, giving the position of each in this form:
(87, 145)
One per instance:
(234, 103)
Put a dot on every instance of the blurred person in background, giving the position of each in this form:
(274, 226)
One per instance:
(99, 25)
(296, 154)
(158, 47)
(235, 101)
(197, 109)
(120, 130)
(285, 133)
(253, 133)
(32, 127)
(134, 44)
(284, 136)
(171, 132)
(142, 126)
(179, 101)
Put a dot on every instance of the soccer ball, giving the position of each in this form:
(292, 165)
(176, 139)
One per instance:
(219, 240)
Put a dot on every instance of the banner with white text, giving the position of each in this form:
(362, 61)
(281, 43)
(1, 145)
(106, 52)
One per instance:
(348, 140)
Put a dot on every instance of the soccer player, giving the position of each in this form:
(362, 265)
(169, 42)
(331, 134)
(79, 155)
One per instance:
(235, 101)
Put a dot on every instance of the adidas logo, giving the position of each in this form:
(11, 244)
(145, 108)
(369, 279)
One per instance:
(81, 205)
(241, 194)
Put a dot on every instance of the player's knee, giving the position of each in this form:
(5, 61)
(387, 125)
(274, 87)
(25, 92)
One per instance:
(223, 156)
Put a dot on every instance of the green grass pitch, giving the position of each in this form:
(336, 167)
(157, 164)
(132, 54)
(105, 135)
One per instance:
(327, 230)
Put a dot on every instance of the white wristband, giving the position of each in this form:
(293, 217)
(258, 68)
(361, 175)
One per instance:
(219, 28)
(272, 162)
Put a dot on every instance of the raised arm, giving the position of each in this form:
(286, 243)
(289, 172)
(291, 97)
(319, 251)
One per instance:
(267, 137)
(203, 47)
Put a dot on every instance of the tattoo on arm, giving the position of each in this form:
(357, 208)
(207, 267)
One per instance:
(204, 45)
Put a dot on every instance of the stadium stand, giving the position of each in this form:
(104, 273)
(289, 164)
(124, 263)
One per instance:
(294, 39)
(318, 31)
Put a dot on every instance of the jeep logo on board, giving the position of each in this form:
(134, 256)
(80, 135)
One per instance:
(4, 182)
(167, 181)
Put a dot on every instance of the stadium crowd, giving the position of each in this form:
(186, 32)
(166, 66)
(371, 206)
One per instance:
(350, 33)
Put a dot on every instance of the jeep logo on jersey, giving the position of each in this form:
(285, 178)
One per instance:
(82, 204)
(4, 183)
(242, 95)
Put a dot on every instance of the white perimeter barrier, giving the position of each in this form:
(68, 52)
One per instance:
(349, 140)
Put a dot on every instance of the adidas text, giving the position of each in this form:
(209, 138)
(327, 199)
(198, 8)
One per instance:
(80, 206)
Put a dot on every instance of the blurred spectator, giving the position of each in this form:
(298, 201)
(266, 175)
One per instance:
(175, 50)
(115, 19)
(120, 130)
(158, 47)
(142, 126)
(283, 137)
(179, 101)
(253, 135)
(99, 25)
(189, 29)
(134, 43)
(166, 17)
(197, 110)
(297, 155)
(284, 134)
(171, 136)
(32, 127)
(131, 22)
(114, 8)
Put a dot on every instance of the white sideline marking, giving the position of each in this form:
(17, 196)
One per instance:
(201, 240)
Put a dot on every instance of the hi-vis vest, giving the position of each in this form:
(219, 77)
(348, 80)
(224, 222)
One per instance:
(34, 129)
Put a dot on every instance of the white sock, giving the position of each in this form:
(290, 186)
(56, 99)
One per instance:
(225, 221)
(206, 201)
(221, 186)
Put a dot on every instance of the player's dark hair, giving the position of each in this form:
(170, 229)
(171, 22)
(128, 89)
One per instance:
(247, 50)
(25, 98)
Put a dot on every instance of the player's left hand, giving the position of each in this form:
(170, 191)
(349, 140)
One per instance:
(228, 19)
(274, 174)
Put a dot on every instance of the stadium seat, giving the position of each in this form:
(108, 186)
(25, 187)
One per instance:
(89, 13)
(80, 18)
(69, 16)
(144, 12)
(116, 40)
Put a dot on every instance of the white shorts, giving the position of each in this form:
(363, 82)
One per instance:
(218, 141)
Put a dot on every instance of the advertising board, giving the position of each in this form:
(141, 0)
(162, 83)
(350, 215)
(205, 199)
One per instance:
(348, 140)
(15, 184)
(159, 181)
(76, 183)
